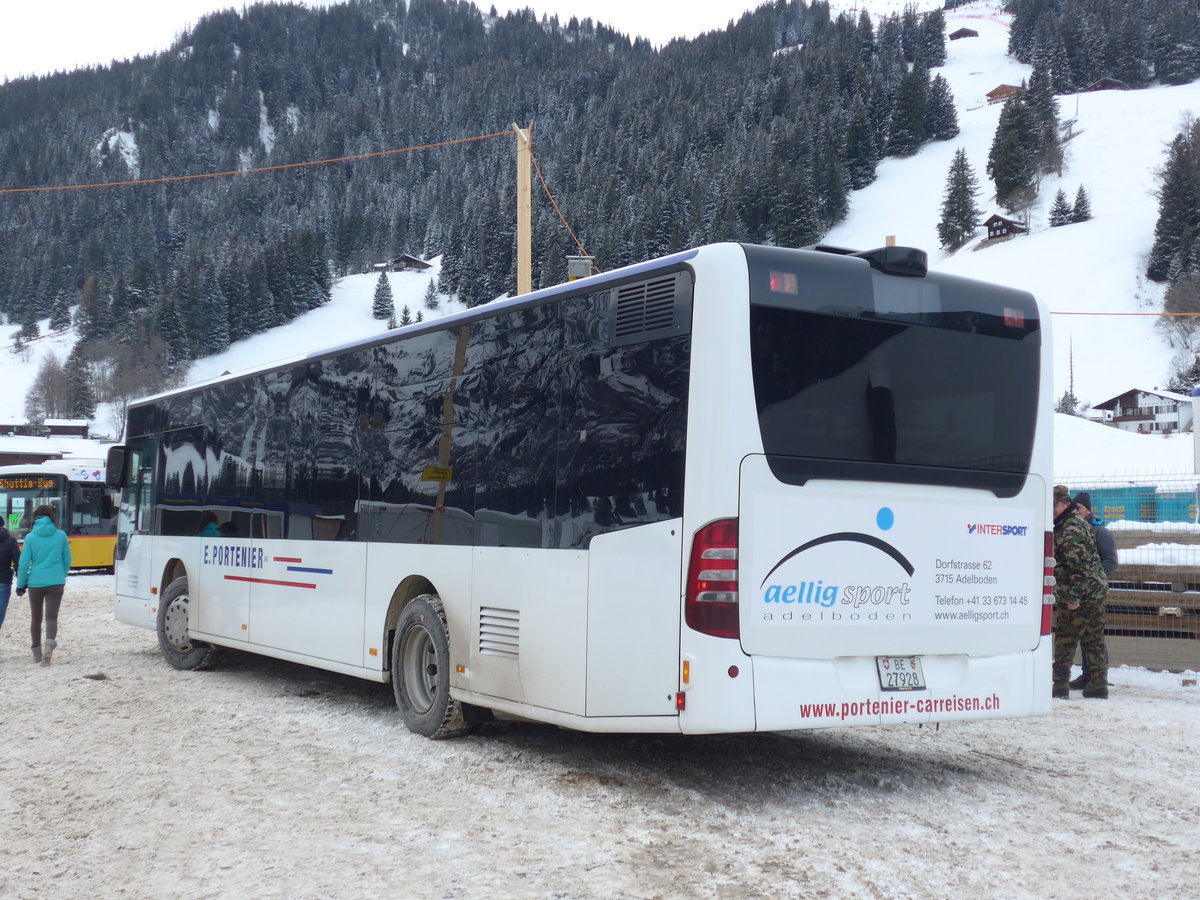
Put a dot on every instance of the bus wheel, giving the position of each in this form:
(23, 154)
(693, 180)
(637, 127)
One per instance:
(180, 650)
(421, 671)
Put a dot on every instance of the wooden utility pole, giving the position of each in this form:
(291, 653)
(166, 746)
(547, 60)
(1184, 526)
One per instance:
(524, 195)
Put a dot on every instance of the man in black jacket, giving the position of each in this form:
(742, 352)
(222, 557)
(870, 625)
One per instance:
(1108, 560)
(10, 553)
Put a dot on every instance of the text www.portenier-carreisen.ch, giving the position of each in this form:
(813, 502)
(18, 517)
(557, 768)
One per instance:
(898, 707)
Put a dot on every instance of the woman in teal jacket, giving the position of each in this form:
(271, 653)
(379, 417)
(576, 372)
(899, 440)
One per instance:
(45, 562)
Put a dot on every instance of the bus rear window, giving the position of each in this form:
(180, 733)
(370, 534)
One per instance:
(878, 377)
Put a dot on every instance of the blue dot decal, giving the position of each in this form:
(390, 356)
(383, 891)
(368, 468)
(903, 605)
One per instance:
(885, 519)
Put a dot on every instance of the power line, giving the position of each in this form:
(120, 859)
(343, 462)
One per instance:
(255, 171)
(1156, 314)
(561, 218)
(167, 179)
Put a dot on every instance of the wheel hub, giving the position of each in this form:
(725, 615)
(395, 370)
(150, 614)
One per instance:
(175, 625)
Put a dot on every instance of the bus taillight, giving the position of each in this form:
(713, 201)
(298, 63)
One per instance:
(1048, 585)
(711, 602)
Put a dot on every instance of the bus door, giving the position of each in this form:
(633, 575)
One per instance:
(134, 579)
(222, 606)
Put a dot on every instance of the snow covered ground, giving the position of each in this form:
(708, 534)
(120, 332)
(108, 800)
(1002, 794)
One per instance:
(261, 779)
(122, 777)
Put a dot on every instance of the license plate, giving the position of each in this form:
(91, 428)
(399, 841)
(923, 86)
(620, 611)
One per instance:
(900, 673)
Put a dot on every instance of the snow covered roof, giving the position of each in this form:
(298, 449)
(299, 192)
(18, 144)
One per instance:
(1167, 395)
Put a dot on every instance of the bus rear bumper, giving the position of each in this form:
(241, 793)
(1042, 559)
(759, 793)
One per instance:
(798, 694)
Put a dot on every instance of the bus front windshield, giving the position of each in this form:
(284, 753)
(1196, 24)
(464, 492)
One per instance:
(20, 495)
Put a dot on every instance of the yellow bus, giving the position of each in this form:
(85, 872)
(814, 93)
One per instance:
(86, 508)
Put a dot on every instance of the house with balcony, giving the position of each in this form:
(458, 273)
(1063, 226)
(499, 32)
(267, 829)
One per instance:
(1147, 411)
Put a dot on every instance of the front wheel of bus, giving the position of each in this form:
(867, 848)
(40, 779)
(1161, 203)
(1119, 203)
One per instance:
(421, 671)
(179, 649)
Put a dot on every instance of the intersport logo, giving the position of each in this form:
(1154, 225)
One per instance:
(998, 530)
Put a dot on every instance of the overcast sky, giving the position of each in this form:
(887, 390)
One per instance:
(42, 36)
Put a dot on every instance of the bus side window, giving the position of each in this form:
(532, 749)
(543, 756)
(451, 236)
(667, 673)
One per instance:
(86, 500)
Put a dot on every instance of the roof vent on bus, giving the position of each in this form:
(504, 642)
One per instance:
(649, 309)
(906, 261)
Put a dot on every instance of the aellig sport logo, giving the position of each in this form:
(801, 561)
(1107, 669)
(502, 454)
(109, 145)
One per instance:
(792, 597)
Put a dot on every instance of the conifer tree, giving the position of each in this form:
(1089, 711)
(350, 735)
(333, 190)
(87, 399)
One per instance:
(431, 298)
(383, 306)
(941, 119)
(81, 398)
(1068, 404)
(862, 151)
(215, 316)
(795, 215)
(1010, 162)
(933, 39)
(906, 128)
(406, 315)
(1060, 212)
(1083, 206)
(960, 215)
(1178, 205)
(1043, 108)
(60, 313)
(169, 324)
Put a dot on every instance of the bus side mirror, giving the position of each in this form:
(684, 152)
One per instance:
(114, 470)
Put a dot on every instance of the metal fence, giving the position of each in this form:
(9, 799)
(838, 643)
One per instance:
(1154, 594)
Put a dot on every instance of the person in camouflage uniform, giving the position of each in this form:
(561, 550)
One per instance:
(1080, 593)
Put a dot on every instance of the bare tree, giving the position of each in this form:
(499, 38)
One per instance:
(50, 395)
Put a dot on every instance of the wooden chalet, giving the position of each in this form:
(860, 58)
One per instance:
(997, 227)
(1002, 92)
(1148, 411)
(964, 33)
(401, 263)
(67, 427)
(1107, 84)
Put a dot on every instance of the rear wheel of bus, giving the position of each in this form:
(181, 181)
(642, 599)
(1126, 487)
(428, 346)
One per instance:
(179, 649)
(421, 671)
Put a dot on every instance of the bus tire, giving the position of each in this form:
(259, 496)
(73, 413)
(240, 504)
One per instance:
(421, 671)
(177, 647)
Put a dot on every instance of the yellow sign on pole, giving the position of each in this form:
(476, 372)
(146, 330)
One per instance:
(437, 473)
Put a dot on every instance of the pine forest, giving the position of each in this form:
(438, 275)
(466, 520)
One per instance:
(755, 133)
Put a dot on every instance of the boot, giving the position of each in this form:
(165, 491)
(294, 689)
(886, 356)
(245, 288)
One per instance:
(48, 650)
(1096, 692)
(37, 653)
(1061, 692)
(1078, 684)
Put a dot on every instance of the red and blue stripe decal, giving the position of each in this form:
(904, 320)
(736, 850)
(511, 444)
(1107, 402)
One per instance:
(291, 564)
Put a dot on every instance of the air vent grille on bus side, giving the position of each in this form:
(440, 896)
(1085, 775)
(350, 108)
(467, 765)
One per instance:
(499, 632)
(659, 307)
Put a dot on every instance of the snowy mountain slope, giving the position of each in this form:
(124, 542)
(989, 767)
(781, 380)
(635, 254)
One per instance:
(1078, 269)
(1090, 267)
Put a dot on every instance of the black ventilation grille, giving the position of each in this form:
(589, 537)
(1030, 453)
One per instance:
(650, 309)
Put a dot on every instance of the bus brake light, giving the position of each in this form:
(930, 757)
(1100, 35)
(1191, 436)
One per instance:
(1048, 585)
(711, 598)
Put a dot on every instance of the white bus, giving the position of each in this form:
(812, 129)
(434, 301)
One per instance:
(734, 489)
